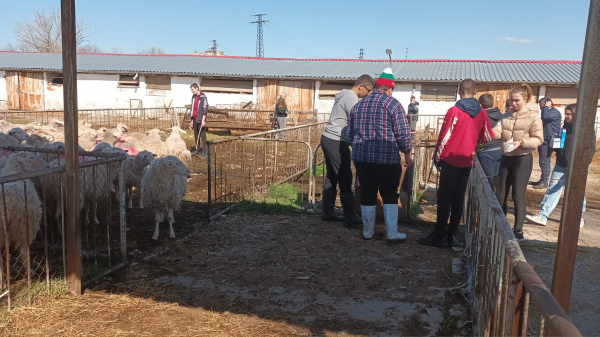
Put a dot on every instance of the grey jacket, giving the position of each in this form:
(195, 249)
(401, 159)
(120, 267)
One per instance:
(202, 106)
(338, 121)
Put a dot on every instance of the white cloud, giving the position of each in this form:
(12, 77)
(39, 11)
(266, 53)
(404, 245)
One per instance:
(518, 40)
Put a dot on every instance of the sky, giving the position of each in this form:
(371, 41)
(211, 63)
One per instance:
(430, 29)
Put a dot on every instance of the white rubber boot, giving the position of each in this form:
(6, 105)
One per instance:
(390, 212)
(368, 218)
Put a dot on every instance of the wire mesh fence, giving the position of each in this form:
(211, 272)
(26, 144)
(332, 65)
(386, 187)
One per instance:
(506, 296)
(247, 167)
(32, 207)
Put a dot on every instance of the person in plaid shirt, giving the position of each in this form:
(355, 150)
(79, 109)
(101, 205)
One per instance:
(379, 131)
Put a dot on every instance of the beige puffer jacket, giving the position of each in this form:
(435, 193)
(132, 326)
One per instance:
(525, 125)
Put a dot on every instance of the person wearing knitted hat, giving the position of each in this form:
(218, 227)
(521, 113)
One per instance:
(379, 131)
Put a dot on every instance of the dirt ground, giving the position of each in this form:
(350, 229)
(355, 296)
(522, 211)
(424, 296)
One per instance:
(266, 275)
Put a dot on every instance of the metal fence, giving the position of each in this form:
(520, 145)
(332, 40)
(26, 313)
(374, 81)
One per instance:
(503, 287)
(248, 166)
(139, 120)
(32, 222)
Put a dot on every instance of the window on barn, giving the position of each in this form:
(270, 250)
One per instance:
(328, 90)
(439, 93)
(55, 79)
(226, 86)
(158, 82)
(128, 81)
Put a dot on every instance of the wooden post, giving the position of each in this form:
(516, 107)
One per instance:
(578, 161)
(71, 207)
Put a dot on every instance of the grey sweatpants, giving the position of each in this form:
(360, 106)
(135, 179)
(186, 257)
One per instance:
(281, 123)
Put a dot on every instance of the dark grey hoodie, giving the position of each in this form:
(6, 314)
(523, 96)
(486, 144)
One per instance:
(344, 102)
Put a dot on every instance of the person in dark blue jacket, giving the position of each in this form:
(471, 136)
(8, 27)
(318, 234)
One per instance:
(551, 119)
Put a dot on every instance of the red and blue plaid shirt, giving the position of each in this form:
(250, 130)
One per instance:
(378, 129)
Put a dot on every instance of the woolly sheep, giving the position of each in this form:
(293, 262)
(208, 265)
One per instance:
(87, 139)
(176, 145)
(20, 232)
(35, 141)
(163, 186)
(6, 140)
(133, 173)
(18, 134)
(154, 143)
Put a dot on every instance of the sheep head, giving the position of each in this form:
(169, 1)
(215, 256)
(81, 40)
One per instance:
(122, 127)
(29, 162)
(19, 134)
(175, 166)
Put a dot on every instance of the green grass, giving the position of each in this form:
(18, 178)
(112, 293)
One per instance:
(39, 290)
(282, 198)
(318, 171)
(415, 209)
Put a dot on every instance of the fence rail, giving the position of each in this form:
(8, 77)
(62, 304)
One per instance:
(248, 166)
(33, 264)
(502, 285)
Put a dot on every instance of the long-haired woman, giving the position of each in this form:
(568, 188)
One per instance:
(521, 133)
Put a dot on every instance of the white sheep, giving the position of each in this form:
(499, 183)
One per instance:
(133, 172)
(176, 145)
(154, 143)
(35, 141)
(87, 138)
(163, 186)
(21, 232)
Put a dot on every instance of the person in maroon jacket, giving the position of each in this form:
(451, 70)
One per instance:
(465, 124)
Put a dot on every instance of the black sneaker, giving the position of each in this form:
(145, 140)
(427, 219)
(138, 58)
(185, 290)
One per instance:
(452, 241)
(433, 241)
(540, 186)
(519, 236)
(534, 183)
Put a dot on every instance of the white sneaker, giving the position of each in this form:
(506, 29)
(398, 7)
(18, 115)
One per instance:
(537, 218)
(581, 223)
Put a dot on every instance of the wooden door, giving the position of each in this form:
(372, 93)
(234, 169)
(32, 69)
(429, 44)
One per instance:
(12, 90)
(31, 91)
(300, 94)
(501, 94)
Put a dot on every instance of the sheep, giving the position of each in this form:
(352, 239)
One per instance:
(35, 141)
(127, 142)
(101, 146)
(18, 134)
(133, 172)
(6, 140)
(87, 138)
(176, 145)
(21, 229)
(163, 186)
(154, 144)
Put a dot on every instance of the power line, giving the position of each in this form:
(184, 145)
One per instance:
(285, 32)
(362, 54)
(260, 48)
(287, 41)
(281, 41)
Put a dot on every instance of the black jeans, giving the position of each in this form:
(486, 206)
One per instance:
(338, 161)
(384, 178)
(451, 198)
(202, 131)
(545, 152)
(515, 173)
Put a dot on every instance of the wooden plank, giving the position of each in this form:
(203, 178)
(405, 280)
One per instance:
(12, 90)
(31, 90)
(72, 218)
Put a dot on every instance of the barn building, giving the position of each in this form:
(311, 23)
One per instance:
(33, 81)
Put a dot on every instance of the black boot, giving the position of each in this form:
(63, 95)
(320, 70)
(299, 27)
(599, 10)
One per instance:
(328, 204)
(350, 216)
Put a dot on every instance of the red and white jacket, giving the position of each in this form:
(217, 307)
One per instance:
(460, 134)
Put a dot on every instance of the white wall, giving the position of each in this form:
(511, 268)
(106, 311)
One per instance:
(3, 94)
(216, 98)
(53, 94)
(180, 89)
(325, 105)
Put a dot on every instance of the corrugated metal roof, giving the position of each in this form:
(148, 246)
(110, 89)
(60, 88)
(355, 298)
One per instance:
(411, 70)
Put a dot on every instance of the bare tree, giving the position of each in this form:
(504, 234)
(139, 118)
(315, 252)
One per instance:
(44, 33)
(116, 50)
(89, 48)
(152, 51)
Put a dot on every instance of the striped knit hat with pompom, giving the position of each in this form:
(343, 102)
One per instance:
(387, 78)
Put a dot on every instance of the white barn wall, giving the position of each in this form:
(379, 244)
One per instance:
(180, 89)
(53, 95)
(3, 93)
(216, 98)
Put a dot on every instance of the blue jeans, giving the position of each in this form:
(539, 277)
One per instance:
(558, 179)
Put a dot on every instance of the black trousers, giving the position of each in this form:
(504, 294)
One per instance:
(198, 129)
(338, 161)
(384, 178)
(451, 198)
(545, 152)
(515, 173)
